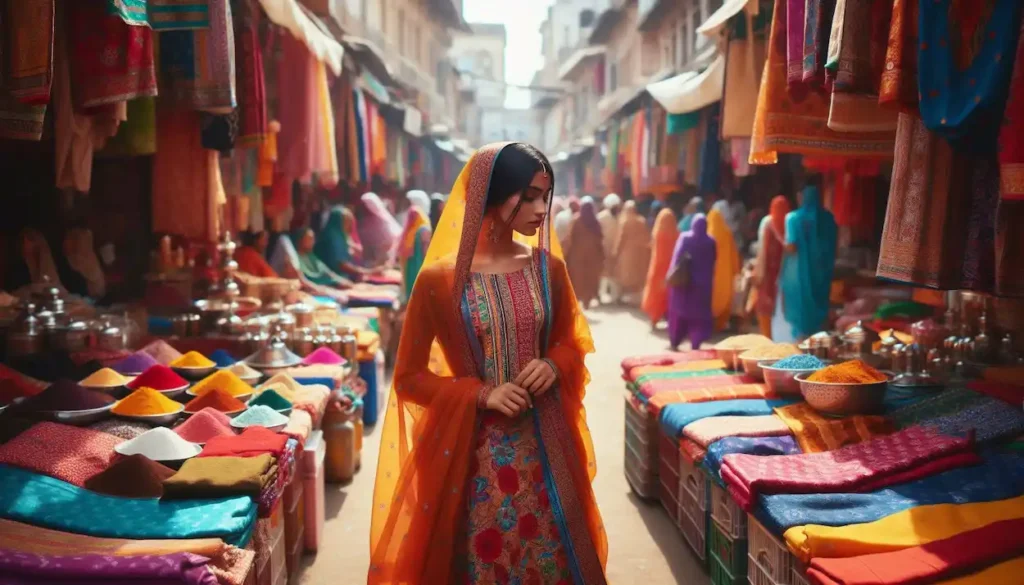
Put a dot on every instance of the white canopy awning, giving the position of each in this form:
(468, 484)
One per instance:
(715, 23)
(691, 91)
(289, 14)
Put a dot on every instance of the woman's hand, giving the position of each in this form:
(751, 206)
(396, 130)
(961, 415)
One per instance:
(537, 377)
(509, 399)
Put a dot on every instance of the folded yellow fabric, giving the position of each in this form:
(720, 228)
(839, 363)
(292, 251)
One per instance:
(913, 527)
(1005, 573)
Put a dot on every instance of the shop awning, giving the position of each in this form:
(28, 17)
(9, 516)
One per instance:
(691, 91)
(306, 27)
(716, 22)
(370, 57)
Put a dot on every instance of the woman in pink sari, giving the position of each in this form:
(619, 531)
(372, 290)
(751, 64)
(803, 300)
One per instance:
(378, 231)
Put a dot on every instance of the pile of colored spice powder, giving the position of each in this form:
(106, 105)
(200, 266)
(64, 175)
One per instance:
(324, 356)
(851, 372)
(135, 364)
(193, 359)
(272, 399)
(244, 370)
(800, 361)
(744, 341)
(262, 416)
(205, 425)
(104, 378)
(64, 395)
(217, 399)
(225, 380)
(222, 358)
(773, 351)
(161, 351)
(145, 402)
(159, 377)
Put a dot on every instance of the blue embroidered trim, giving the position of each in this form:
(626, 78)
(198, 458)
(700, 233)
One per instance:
(556, 505)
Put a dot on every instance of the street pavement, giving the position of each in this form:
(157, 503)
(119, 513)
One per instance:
(645, 548)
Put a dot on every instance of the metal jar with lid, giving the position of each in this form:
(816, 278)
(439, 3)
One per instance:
(857, 343)
(72, 337)
(26, 335)
(110, 337)
(304, 342)
(303, 315)
(349, 348)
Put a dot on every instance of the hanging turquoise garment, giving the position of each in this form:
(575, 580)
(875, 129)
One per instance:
(43, 501)
(679, 123)
(965, 60)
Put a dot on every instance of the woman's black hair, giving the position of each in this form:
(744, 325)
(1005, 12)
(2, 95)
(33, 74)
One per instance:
(676, 201)
(514, 169)
(249, 238)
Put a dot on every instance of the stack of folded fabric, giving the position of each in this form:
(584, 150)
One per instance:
(212, 477)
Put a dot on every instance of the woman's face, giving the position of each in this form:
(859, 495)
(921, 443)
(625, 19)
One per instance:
(307, 242)
(532, 203)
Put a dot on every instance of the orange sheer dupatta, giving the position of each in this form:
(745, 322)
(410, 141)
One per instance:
(419, 499)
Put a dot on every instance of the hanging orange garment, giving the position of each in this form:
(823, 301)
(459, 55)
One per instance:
(187, 189)
(664, 236)
(797, 122)
(428, 436)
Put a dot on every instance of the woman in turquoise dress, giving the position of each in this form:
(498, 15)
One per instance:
(805, 279)
(313, 268)
(490, 373)
(415, 238)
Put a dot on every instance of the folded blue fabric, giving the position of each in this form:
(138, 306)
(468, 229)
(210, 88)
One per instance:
(1000, 476)
(41, 500)
(762, 446)
(676, 416)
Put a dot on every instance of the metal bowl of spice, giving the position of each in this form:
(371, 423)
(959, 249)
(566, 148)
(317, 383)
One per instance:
(729, 349)
(753, 359)
(780, 375)
(844, 389)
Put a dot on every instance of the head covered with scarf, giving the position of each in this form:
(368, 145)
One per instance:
(805, 279)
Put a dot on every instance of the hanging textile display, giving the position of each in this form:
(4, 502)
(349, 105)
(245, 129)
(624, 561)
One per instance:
(929, 210)
(177, 14)
(29, 61)
(817, 28)
(132, 12)
(362, 135)
(325, 153)
(187, 188)
(798, 123)
(252, 91)
(898, 85)
(744, 66)
(861, 60)
(711, 153)
(794, 42)
(110, 60)
(297, 91)
(136, 136)
(964, 82)
(198, 66)
(18, 121)
(1011, 136)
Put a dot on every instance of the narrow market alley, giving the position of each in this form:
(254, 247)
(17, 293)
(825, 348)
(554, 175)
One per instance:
(645, 548)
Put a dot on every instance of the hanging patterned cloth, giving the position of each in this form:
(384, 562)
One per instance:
(898, 85)
(252, 91)
(964, 68)
(178, 14)
(29, 62)
(132, 12)
(1011, 137)
(111, 61)
(198, 66)
(861, 60)
(817, 26)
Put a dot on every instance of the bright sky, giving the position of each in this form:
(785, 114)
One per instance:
(522, 20)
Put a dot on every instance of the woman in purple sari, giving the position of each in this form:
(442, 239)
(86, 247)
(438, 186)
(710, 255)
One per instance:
(689, 306)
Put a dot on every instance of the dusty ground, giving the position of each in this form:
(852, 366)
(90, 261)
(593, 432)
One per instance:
(645, 548)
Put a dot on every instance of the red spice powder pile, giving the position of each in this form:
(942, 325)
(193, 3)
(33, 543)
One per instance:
(158, 377)
(205, 425)
(217, 399)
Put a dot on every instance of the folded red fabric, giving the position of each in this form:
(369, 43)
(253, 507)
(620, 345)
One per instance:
(252, 442)
(930, 563)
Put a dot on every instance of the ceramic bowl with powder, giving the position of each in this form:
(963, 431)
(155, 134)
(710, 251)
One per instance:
(160, 444)
(730, 348)
(245, 373)
(149, 406)
(134, 364)
(193, 366)
(225, 380)
(66, 402)
(104, 380)
(205, 425)
(217, 399)
(260, 416)
(162, 379)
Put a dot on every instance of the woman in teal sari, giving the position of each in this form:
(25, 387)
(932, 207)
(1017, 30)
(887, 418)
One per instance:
(334, 247)
(415, 238)
(805, 279)
(313, 268)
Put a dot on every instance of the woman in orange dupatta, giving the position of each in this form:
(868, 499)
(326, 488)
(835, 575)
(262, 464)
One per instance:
(486, 460)
(664, 236)
(251, 256)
